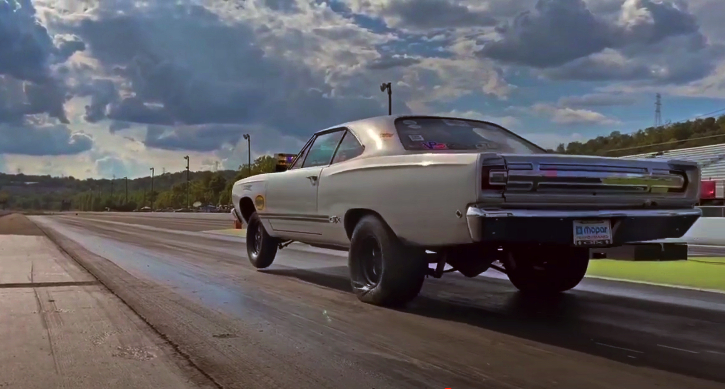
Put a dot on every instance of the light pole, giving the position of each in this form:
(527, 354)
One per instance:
(126, 178)
(388, 86)
(152, 188)
(249, 150)
(187, 181)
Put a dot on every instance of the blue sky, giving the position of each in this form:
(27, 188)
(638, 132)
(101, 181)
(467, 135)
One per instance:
(95, 88)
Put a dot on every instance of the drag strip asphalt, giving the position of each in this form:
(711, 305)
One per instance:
(297, 321)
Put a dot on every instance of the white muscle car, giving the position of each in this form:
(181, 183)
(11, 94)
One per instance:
(401, 192)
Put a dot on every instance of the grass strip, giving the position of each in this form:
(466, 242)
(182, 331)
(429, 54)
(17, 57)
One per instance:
(697, 272)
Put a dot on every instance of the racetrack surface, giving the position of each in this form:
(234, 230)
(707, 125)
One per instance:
(296, 324)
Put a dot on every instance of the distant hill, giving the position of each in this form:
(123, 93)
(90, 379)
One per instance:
(24, 192)
(692, 133)
(40, 184)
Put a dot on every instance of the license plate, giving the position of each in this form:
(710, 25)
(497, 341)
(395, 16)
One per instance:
(592, 232)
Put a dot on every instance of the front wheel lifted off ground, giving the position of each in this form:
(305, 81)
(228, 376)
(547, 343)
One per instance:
(383, 271)
(261, 248)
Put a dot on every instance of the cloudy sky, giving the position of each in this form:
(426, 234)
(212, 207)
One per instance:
(102, 87)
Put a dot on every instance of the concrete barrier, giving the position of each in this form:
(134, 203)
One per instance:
(643, 252)
(707, 231)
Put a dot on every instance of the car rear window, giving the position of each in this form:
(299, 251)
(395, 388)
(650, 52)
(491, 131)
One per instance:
(433, 134)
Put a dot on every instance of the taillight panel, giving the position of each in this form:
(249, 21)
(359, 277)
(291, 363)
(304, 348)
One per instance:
(708, 190)
(494, 178)
(685, 182)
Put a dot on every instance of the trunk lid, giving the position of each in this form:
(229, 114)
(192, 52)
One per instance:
(566, 181)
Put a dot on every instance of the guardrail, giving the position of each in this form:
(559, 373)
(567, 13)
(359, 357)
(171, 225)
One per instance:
(706, 231)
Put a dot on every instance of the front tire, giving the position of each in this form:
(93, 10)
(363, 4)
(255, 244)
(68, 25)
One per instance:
(547, 270)
(382, 270)
(261, 248)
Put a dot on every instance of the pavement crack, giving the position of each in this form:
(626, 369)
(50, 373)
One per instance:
(224, 336)
(619, 348)
(32, 284)
(678, 349)
(47, 325)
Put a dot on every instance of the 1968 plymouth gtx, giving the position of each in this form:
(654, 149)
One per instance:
(402, 192)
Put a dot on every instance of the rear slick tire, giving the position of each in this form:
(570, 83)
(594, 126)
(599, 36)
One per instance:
(261, 248)
(382, 270)
(548, 271)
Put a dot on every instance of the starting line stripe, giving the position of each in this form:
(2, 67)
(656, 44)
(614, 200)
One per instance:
(230, 231)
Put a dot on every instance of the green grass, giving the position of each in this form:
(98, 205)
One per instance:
(696, 272)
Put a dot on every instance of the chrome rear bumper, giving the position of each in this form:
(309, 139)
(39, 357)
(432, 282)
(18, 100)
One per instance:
(555, 226)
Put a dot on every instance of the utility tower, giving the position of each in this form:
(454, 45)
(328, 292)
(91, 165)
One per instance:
(658, 111)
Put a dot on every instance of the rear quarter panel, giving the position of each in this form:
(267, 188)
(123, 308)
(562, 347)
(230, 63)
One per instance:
(416, 194)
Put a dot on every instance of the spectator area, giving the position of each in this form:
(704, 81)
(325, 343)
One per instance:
(710, 158)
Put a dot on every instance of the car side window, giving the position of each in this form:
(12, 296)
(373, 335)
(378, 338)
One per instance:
(349, 148)
(323, 148)
(301, 157)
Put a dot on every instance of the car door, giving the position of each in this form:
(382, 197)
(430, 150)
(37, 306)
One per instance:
(333, 194)
(292, 195)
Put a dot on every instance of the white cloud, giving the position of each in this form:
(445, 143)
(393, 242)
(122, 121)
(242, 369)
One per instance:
(709, 15)
(712, 86)
(570, 116)
(597, 100)
(552, 140)
(190, 77)
(508, 122)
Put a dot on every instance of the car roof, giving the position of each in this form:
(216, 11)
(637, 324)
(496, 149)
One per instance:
(380, 137)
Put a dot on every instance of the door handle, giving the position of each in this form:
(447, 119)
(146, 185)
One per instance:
(313, 179)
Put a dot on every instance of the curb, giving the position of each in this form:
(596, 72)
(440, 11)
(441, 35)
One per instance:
(658, 284)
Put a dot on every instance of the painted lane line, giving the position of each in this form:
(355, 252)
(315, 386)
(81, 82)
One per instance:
(678, 349)
(658, 284)
(619, 348)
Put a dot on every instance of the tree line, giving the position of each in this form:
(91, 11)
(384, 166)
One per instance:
(691, 133)
(32, 192)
